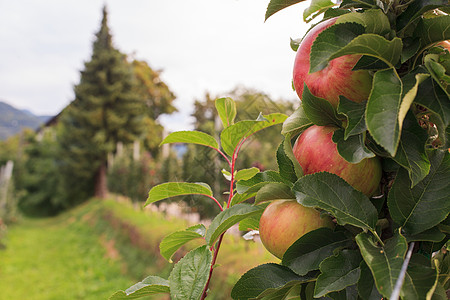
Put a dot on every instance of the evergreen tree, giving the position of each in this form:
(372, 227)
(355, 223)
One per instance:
(105, 111)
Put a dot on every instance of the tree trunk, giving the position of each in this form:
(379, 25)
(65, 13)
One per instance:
(101, 188)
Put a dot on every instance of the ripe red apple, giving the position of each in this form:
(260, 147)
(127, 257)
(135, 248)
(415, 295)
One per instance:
(316, 152)
(337, 78)
(285, 221)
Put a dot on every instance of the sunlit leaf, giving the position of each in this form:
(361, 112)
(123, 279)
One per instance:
(315, 8)
(277, 5)
(171, 243)
(149, 286)
(246, 174)
(373, 20)
(297, 122)
(172, 189)
(191, 137)
(226, 109)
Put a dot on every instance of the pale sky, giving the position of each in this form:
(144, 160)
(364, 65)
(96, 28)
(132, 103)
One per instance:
(200, 45)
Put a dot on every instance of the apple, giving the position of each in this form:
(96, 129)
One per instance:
(337, 78)
(285, 221)
(316, 152)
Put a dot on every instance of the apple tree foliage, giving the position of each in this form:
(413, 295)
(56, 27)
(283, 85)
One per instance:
(390, 246)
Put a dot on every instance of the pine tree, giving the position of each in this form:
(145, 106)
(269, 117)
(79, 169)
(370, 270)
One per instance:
(105, 111)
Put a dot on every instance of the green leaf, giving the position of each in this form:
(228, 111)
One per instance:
(367, 62)
(265, 280)
(388, 51)
(430, 235)
(286, 166)
(385, 262)
(355, 113)
(333, 194)
(274, 191)
(353, 149)
(432, 30)
(297, 122)
(259, 180)
(437, 71)
(191, 137)
(367, 289)
(373, 20)
(432, 97)
(410, 87)
(172, 189)
(411, 151)
(227, 218)
(415, 10)
(306, 254)
(319, 110)
(277, 5)
(226, 109)
(246, 174)
(171, 243)
(189, 276)
(420, 279)
(383, 109)
(426, 204)
(233, 136)
(151, 285)
(338, 272)
(316, 8)
(331, 41)
(252, 222)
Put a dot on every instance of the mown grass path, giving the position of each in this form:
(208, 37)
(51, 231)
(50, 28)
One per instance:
(57, 258)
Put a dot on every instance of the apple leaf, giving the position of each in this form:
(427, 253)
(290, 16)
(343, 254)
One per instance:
(172, 189)
(227, 218)
(190, 274)
(430, 235)
(411, 151)
(246, 174)
(373, 20)
(367, 289)
(415, 10)
(385, 262)
(297, 122)
(420, 279)
(426, 204)
(355, 114)
(259, 180)
(171, 243)
(286, 166)
(238, 198)
(316, 8)
(437, 71)
(226, 108)
(353, 148)
(233, 136)
(287, 146)
(338, 272)
(330, 41)
(191, 137)
(432, 30)
(277, 5)
(383, 108)
(266, 280)
(306, 254)
(151, 285)
(367, 62)
(319, 110)
(333, 194)
(252, 222)
(273, 191)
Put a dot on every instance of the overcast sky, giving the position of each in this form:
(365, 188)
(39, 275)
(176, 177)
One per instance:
(201, 45)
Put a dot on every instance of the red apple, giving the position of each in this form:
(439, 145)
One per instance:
(285, 221)
(337, 78)
(316, 152)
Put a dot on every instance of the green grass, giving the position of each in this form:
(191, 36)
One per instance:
(102, 247)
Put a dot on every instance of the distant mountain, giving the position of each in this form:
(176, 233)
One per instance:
(13, 120)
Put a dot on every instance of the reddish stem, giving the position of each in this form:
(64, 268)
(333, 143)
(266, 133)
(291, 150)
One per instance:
(216, 252)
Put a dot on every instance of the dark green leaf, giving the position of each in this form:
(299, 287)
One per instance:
(286, 166)
(430, 235)
(319, 110)
(227, 218)
(356, 121)
(420, 279)
(427, 204)
(367, 62)
(189, 276)
(315, 8)
(274, 191)
(432, 97)
(415, 10)
(172, 189)
(333, 194)
(171, 243)
(297, 122)
(353, 149)
(383, 108)
(331, 41)
(411, 151)
(437, 71)
(226, 109)
(233, 136)
(411, 84)
(432, 30)
(385, 262)
(338, 272)
(265, 280)
(367, 289)
(287, 146)
(191, 137)
(149, 286)
(373, 20)
(306, 254)
(277, 5)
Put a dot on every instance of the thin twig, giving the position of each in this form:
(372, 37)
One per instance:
(398, 285)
